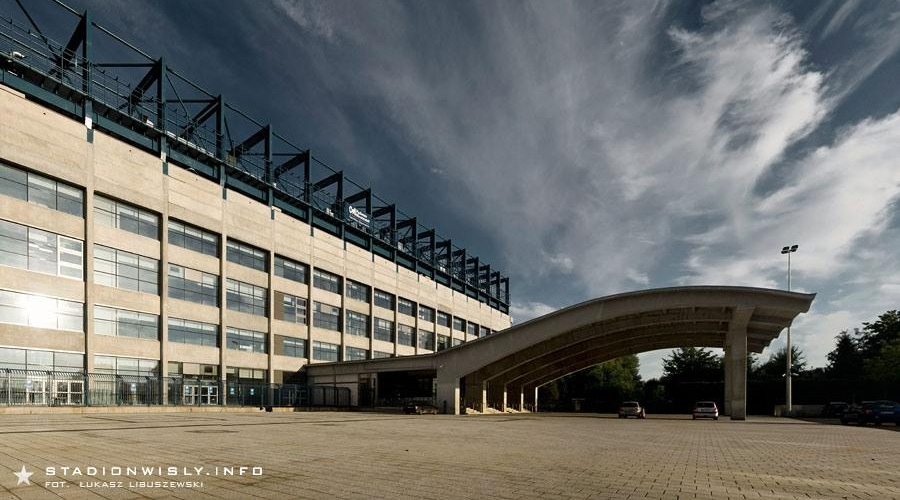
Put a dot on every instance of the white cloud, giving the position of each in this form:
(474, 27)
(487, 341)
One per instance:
(524, 311)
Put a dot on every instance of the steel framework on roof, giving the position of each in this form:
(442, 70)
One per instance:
(189, 127)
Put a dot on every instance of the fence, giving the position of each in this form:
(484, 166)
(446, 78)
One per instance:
(50, 388)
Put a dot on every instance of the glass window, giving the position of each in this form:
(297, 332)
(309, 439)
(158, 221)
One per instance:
(44, 312)
(456, 342)
(289, 269)
(443, 342)
(426, 340)
(472, 329)
(41, 251)
(323, 351)
(426, 314)
(357, 324)
(406, 307)
(358, 291)
(384, 299)
(193, 286)
(324, 280)
(384, 330)
(355, 354)
(246, 340)
(124, 323)
(126, 366)
(193, 238)
(290, 308)
(68, 361)
(484, 331)
(185, 331)
(125, 270)
(296, 348)
(13, 244)
(405, 335)
(71, 258)
(459, 324)
(381, 354)
(247, 298)
(246, 255)
(121, 215)
(443, 319)
(12, 359)
(326, 316)
(248, 374)
(13, 182)
(40, 190)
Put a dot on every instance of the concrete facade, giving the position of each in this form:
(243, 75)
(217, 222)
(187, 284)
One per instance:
(505, 370)
(38, 140)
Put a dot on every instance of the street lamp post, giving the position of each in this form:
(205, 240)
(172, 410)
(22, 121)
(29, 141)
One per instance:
(787, 352)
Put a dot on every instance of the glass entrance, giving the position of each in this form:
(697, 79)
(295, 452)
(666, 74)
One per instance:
(68, 392)
(209, 395)
(36, 391)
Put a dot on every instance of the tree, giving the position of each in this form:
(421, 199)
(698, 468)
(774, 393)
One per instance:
(692, 364)
(845, 361)
(774, 367)
(602, 386)
(884, 369)
(879, 333)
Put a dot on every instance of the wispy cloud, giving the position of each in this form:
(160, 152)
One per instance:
(597, 148)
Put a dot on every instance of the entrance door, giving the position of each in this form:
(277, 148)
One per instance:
(191, 395)
(209, 395)
(36, 392)
(68, 392)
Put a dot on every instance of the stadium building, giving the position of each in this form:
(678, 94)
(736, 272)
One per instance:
(159, 246)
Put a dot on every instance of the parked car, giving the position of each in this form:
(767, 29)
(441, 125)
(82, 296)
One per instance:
(420, 408)
(834, 409)
(872, 412)
(705, 409)
(632, 409)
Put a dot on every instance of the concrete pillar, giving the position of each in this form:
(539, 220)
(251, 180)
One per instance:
(447, 393)
(503, 404)
(727, 396)
(535, 399)
(736, 359)
(521, 399)
(484, 397)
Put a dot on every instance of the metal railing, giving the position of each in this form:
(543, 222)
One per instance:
(56, 388)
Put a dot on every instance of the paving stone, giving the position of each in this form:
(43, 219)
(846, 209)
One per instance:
(364, 456)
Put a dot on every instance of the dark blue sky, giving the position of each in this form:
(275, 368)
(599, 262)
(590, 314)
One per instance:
(586, 148)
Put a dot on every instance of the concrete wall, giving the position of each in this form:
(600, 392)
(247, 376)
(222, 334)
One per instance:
(37, 139)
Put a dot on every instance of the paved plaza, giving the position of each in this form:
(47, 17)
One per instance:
(367, 455)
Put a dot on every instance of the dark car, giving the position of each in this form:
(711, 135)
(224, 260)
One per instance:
(872, 412)
(632, 409)
(834, 409)
(420, 408)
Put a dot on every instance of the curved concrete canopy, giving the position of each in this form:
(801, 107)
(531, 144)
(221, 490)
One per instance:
(545, 348)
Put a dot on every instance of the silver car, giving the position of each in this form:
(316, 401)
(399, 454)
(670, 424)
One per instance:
(632, 409)
(705, 409)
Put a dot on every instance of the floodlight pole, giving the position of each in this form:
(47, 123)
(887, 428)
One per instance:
(788, 406)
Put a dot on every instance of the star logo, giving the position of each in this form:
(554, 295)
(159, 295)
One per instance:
(23, 476)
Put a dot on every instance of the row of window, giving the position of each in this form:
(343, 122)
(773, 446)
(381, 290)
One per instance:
(34, 249)
(42, 312)
(40, 190)
(60, 196)
(27, 359)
